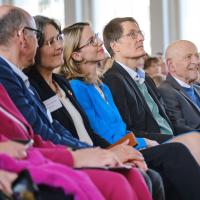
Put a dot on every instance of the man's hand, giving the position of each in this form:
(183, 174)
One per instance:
(13, 149)
(94, 157)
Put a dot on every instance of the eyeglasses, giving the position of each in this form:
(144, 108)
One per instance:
(37, 32)
(134, 34)
(58, 38)
(92, 42)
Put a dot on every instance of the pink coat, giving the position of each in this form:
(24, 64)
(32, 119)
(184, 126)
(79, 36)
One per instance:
(13, 131)
(112, 185)
(46, 172)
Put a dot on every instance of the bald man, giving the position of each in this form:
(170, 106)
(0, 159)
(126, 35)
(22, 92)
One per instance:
(180, 94)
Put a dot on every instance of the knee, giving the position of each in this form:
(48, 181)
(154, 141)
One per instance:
(118, 180)
(179, 150)
(155, 177)
(120, 186)
(178, 147)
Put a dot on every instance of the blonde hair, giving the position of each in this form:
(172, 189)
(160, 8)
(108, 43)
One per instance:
(71, 68)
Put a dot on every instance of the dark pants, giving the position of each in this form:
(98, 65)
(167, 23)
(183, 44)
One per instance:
(155, 184)
(160, 138)
(179, 170)
(51, 193)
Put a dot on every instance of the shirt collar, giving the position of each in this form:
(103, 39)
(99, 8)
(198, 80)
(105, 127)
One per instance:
(181, 83)
(18, 72)
(138, 75)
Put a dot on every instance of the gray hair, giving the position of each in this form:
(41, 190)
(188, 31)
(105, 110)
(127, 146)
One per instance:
(11, 22)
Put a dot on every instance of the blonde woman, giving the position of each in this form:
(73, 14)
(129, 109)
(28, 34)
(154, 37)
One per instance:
(83, 51)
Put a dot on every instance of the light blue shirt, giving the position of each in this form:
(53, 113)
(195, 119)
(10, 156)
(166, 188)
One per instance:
(139, 77)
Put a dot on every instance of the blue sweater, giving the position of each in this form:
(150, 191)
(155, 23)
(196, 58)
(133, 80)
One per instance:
(103, 115)
(190, 92)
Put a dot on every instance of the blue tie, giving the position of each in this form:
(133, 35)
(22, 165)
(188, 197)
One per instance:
(190, 92)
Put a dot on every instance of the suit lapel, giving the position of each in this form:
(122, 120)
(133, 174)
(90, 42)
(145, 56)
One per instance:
(26, 93)
(134, 87)
(130, 81)
(138, 93)
(196, 88)
(190, 101)
(158, 103)
(176, 85)
(36, 97)
(69, 93)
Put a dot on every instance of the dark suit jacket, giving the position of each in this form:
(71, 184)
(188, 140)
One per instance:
(184, 114)
(33, 110)
(132, 105)
(61, 114)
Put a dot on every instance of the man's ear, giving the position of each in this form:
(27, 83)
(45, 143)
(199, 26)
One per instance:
(114, 46)
(22, 39)
(170, 64)
(77, 56)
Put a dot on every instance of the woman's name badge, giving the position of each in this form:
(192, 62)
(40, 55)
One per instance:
(52, 103)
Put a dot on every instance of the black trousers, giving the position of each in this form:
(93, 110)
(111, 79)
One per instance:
(160, 138)
(154, 183)
(51, 193)
(179, 170)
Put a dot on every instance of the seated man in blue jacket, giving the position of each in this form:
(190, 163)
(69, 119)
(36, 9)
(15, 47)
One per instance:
(17, 51)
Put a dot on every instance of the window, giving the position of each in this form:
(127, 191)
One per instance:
(105, 10)
(190, 21)
(50, 8)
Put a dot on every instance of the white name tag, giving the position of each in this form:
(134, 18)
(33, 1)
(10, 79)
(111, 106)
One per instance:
(49, 116)
(52, 103)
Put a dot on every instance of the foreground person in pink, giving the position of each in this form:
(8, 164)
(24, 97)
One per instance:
(15, 157)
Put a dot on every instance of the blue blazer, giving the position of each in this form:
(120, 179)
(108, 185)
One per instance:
(33, 110)
(103, 115)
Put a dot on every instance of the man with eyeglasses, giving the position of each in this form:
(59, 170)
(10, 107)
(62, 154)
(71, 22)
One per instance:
(18, 44)
(135, 95)
(124, 41)
(181, 95)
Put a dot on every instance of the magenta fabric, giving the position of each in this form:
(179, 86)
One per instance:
(56, 175)
(112, 185)
(137, 183)
(13, 131)
(136, 189)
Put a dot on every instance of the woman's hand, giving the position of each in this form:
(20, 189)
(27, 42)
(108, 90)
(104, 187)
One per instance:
(128, 155)
(6, 179)
(151, 143)
(94, 157)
